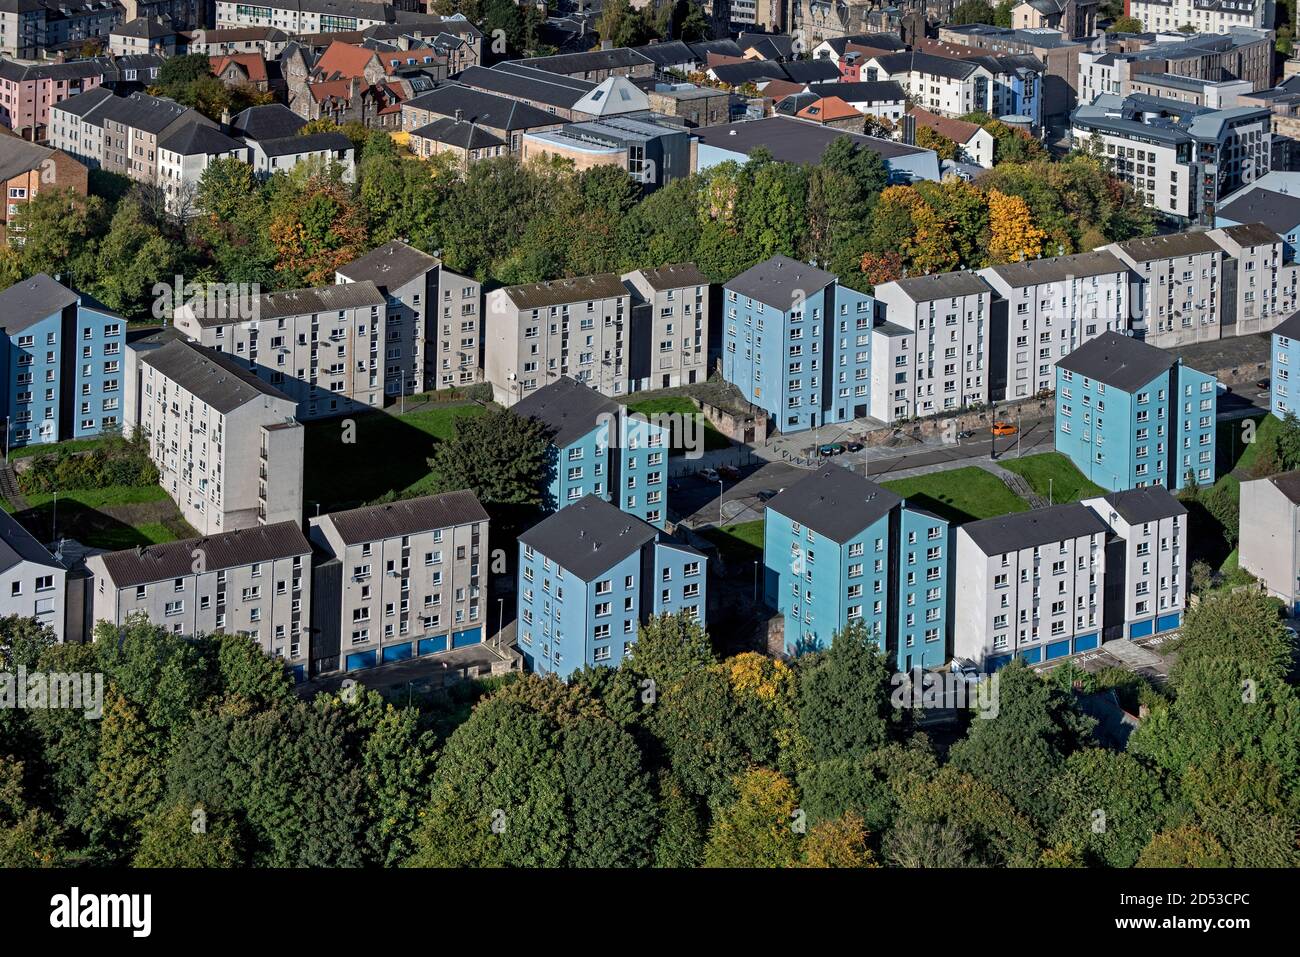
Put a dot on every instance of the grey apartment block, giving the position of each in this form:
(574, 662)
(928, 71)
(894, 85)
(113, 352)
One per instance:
(1270, 534)
(1259, 287)
(324, 348)
(537, 332)
(677, 300)
(1047, 308)
(949, 318)
(251, 581)
(226, 444)
(434, 318)
(33, 583)
(399, 580)
(1176, 287)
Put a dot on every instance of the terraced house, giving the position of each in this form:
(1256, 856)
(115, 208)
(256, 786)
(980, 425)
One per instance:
(797, 343)
(839, 549)
(324, 348)
(589, 575)
(62, 363)
(595, 449)
(1130, 415)
(251, 581)
(398, 581)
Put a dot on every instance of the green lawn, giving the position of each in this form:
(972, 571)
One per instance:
(680, 405)
(959, 495)
(116, 517)
(72, 445)
(100, 498)
(388, 452)
(740, 544)
(1053, 471)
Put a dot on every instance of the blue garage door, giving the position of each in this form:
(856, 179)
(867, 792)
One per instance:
(993, 664)
(1031, 655)
(1167, 622)
(1141, 629)
(1085, 642)
(1058, 649)
(299, 673)
(431, 646)
(459, 639)
(362, 659)
(398, 652)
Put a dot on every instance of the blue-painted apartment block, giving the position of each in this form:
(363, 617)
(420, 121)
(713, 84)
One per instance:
(598, 450)
(1284, 393)
(589, 575)
(837, 548)
(797, 343)
(1130, 415)
(62, 363)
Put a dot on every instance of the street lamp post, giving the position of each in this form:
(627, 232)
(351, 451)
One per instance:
(1049, 491)
(756, 582)
(54, 517)
(1017, 433)
(501, 613)
(721, 494)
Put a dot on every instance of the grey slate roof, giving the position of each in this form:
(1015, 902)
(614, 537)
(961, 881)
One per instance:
(152, 563)
(19, 156)
(1017, 530)
(1288, 483)
(1118, 360)
(675, 276)
(751, 71)
(867, 91)
(31, 300)
(195, 139)
(303, 302)
(1059, 268)
(1288, 327)
(667, 53)
(1252, 234)
(18, 545)
(1141, 505)
(943, 285)
(569, 63)
(566, 407)
(1149, 248)
(389, 266)
(1278, 211)
(926, 63)
(407, 517)
(538, 295)
(84, 103)
(589, 537)
(811, 71)
(479, 106)
(790, 140)
(835, 502)
(268, 122)
(211, 376)
(462, 134)
(780, 282)
(515, 79)
(308, 143)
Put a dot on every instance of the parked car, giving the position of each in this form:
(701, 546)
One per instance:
(830, 448)
(729, 472)
(767, 494)
(1264, 383)
(965, 433)
(1003, 428)
(709, 475)
(853, 446)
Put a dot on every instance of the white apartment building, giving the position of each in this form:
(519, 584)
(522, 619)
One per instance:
(1146, 577)
(1270, 534)
(1176, 290)
(184, 155)
(304, 16)
(1206, 16)
(1029, 584)
(677, 299)
(33, 583)
(226, 444)
(398, 581)
(1052, 307)
(250, 581)
(537, 332)
(949, 316)
(324, 348)
(941, 85)
(1259, 287)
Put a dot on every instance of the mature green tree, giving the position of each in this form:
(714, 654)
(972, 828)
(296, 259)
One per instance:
(498, 794)
(501, 457)
(669, 648)
(972, 11)
(1002, 16)
(1023, 749)
(29, 836)
(680, 842)
(60, 230)
(759, 827)
(128, 774)
(1184, 846)
(1243, 626)
(997, 833)
(22, 642)
(244, 669)
(133, 256)
(843, 700)
(160, 672)
(1288, 442)
(184, 835)
(922, 843)
(609, 799)
(1125, 25)
(1110, 805)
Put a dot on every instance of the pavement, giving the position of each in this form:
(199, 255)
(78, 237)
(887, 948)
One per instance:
(416, 674)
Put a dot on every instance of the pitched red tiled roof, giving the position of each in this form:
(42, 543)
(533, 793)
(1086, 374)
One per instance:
(344, 59)
(959, 131)
(828, 108)
(253, 65)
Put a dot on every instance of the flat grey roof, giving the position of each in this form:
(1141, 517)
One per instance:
(790, 140)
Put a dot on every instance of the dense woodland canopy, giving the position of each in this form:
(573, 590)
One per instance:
(674, 759)
(505, 223)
